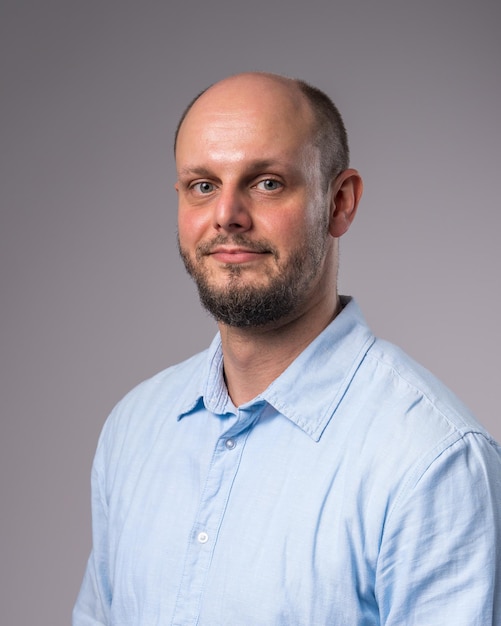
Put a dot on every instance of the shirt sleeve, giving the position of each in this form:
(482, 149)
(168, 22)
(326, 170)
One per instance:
(440, 557)
(93, 604)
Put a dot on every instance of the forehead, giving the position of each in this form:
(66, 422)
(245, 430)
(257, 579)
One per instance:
(246, 116)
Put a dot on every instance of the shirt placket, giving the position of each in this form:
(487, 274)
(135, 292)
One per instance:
(204, 534)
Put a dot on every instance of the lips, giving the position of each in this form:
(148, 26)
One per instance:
(234, 250)
(229, 254)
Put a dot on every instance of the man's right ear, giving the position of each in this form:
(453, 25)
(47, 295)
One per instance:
(346, 192)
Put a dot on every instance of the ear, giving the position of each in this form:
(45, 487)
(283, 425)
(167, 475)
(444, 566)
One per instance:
(346, 192)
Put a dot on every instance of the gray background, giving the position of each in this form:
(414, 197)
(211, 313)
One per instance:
(93, 297)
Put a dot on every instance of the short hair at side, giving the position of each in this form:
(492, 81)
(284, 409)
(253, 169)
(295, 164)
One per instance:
(331, 136)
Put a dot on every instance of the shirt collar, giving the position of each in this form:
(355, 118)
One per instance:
(309, 390)
(206, 386)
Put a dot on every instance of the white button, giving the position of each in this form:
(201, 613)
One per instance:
(230, 444)
(203, 537)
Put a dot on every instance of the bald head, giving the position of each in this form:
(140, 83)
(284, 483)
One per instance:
(296, 101)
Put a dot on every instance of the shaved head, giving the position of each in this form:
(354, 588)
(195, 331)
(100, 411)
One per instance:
(327, 129)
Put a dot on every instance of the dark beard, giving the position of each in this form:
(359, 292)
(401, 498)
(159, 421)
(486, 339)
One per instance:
(244, 306)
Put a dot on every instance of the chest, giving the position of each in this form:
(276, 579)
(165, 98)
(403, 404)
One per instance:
(260, 527)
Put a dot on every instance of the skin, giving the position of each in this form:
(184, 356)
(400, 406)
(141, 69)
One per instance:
(247, 166)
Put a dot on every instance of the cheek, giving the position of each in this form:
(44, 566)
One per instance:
(290, 228)
(191, 226)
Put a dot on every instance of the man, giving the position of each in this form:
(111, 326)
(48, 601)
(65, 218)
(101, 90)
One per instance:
(300, 471)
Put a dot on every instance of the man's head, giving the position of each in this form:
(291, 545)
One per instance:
(264, 194)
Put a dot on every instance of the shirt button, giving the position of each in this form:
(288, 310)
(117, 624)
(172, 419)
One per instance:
(203, 537)
(230, 444)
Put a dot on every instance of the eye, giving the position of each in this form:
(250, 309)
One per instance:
(203, 187)
(269, 184)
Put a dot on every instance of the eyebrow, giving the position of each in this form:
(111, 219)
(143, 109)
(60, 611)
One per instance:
(199, 171)
(261, 164)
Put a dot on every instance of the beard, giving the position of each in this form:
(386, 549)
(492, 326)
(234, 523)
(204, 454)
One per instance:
(242, 305)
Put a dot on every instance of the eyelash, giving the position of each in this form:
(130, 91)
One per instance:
(270, 180)
(197, 187)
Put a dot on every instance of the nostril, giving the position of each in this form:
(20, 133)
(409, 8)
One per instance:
(230, 214)
(231, 226)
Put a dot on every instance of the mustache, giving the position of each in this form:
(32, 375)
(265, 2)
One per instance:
(261, 246)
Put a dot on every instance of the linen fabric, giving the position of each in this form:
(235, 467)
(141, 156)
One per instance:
(356, 490)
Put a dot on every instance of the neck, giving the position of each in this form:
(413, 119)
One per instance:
(255, 357)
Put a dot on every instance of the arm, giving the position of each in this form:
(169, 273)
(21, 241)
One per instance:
(92, 607)
(440, 558)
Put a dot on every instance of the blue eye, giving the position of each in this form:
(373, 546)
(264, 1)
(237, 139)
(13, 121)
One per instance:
(269, 184)
(203, 187)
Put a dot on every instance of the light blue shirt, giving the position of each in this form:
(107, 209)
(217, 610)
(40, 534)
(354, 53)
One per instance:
(356, 490)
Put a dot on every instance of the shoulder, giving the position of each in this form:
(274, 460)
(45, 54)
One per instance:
(155, 402)
(167, 384)
(405, 424)
(405, 381)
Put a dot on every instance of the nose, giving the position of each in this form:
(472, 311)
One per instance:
(231, 211)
